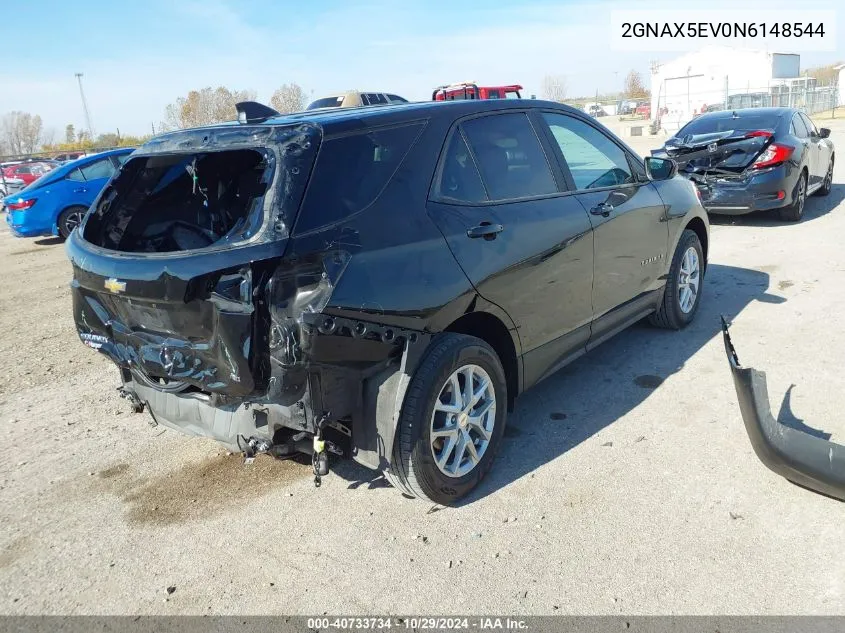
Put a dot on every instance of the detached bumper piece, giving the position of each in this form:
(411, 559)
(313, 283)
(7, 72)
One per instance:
(806, 460)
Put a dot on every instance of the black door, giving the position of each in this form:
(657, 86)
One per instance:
(628, 217)
(525, 245)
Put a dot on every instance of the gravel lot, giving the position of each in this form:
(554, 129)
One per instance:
(626, 483)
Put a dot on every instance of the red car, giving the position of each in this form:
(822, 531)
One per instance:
(472, 91)
(643, 110)
(28, 172)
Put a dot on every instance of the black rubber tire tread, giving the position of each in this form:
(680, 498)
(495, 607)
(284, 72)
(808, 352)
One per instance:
(669, 315)
(792, 213)
(407, 472)
(823, 191)
(63, 214)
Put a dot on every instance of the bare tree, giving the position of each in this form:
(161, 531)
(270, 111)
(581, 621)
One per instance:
(206, 106)
(634, 87)
(22, 132)
(70, 133)
(288, 98)
(554, 87)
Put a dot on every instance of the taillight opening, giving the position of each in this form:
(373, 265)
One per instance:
(21, 205)
(774, 155)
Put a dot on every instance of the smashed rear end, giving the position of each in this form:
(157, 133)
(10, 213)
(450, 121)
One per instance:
(735, 171)
(180, 279)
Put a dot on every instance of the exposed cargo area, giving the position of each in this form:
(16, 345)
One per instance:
(175, 202)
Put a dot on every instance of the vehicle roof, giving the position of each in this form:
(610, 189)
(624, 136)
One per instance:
(343, 118)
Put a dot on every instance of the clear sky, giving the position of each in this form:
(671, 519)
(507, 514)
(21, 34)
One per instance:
(139, 55)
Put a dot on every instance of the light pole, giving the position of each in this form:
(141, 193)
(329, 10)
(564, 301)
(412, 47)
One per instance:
(85, 107)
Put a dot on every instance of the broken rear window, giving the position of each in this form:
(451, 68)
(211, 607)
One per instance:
(174, 202)
(726, 122)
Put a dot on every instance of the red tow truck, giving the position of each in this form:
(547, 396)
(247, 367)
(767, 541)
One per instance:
(471, 90)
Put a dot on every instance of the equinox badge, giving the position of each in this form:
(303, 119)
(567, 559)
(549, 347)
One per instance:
(114, 285)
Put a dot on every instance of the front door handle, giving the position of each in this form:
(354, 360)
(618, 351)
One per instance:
(486, 230)
(603, 209)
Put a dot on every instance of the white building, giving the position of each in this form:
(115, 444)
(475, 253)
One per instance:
(718, 77)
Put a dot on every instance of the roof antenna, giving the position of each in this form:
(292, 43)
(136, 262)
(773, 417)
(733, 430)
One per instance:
(254, 112)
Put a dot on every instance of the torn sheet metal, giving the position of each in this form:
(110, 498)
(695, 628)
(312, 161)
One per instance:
(806, 460)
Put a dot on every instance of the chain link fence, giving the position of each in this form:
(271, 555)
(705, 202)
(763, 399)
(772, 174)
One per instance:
(680, 99)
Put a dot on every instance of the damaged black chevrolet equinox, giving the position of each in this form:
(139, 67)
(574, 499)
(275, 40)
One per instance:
(378, 282)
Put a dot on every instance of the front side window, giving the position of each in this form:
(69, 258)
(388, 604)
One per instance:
(798, 128)
(509, 156)
(808, 122)
(594, 160)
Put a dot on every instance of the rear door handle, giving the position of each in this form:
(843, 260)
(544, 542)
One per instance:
(486, 230)
(80, 190)
(603, 209)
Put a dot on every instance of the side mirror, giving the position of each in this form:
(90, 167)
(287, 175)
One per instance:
(824, 132)
(660, 168)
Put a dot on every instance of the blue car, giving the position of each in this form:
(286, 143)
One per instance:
(56, 203)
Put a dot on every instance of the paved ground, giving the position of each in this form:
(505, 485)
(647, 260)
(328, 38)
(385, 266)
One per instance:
(626, 483)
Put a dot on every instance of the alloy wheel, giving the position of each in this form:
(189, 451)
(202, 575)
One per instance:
(462, 421)
(688, 280)
(73, 220)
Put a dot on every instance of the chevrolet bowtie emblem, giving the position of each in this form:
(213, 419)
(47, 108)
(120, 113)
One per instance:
(115, 285)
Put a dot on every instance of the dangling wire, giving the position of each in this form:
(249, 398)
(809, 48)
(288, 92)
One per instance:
(195, 186)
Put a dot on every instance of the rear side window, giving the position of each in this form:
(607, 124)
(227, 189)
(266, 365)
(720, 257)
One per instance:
(351, 172)
(593, 159)
(459, 177)
(510, 157)
(76, 176)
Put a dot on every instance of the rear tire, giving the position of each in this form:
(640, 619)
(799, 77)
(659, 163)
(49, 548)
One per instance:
(684, 286)
(69, 219)
(442, 450)
(827, 184)
(795, 211)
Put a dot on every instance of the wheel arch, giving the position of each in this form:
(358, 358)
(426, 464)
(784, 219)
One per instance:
(697, 225)
(492, 330)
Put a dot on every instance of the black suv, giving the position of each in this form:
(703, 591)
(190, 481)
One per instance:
(379, 282)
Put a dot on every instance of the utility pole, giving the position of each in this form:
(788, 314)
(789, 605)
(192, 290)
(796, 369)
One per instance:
(85, 107)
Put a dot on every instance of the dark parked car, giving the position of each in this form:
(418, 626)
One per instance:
(380, 283)
(757, 159)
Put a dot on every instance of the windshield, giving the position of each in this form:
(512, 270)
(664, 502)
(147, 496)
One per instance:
(725, 122)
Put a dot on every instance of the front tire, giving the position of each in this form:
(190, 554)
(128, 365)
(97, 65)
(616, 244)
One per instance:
(682, 293)
(452, 420)
(69, 219)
